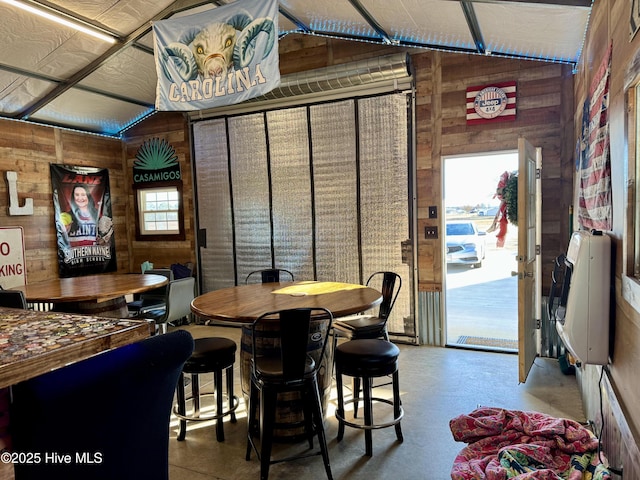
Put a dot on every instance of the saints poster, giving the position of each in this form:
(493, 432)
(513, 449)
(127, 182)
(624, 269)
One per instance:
(221, 56)
(83, 220)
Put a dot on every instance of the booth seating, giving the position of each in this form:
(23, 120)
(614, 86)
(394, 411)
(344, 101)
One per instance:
(110, 413)
(367, 359)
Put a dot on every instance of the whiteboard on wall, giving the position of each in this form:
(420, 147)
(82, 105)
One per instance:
(13, 271)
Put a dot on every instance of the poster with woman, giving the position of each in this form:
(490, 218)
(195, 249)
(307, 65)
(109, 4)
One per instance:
(83, 219)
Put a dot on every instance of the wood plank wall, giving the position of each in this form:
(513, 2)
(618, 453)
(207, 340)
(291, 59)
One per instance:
(609, 24)
(29, 150)
(545, 109)
(173, 128)
(544, 116)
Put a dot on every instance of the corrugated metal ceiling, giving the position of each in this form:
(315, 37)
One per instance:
(54, 75)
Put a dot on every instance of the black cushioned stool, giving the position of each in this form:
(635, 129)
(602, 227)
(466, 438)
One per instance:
(367, 359)
(210, 355)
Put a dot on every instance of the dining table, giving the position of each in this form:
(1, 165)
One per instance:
(33, 343)
(241, 305)
(101, 295)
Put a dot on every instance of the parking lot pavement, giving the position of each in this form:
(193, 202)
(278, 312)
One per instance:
(483, 302)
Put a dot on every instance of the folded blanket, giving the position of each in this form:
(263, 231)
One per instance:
(506, 444)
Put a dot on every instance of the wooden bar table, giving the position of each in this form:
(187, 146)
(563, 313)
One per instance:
(101, 295)
(243, 304)
(33, 343)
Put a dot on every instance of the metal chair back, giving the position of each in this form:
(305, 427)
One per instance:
(390, 288)
(269, 275)
(13, 299)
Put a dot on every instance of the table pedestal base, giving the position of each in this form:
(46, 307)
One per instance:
(115, 308)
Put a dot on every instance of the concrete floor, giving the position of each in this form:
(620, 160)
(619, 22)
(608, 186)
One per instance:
(436, 385)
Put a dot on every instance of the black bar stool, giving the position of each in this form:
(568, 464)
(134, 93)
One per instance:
(289, 364)
(210, 355)
(367, 359)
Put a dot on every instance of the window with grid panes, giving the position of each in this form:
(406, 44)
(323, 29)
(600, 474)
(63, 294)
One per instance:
(158, 211)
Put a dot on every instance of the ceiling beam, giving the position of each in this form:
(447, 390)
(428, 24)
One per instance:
(121, 43)
(372, 22)
(474, 26)
(30, 74)
(303, 27)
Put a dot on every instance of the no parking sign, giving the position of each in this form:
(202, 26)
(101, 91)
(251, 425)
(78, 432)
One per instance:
(13, 271)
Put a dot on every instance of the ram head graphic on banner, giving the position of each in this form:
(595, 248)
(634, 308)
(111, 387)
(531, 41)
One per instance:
(219, 57)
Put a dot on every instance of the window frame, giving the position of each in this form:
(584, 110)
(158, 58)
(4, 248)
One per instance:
(631, 243)
(140, 236)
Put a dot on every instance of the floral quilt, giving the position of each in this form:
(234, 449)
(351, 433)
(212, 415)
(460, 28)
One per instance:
(511, 444)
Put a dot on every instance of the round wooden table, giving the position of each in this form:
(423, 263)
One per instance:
(100, 295)
(243, 304)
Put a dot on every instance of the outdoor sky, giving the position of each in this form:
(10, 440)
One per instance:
(472, 180)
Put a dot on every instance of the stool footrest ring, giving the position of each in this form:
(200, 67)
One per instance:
(376, 426)
(205, 417)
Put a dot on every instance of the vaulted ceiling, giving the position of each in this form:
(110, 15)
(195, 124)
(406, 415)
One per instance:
(56, 75)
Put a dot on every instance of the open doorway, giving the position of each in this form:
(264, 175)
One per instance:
(481, 289)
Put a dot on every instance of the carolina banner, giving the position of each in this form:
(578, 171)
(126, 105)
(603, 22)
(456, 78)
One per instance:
(594, 199)
(82, 206)
(219, 57)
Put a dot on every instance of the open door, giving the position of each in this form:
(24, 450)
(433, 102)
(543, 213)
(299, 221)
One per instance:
(530, 159)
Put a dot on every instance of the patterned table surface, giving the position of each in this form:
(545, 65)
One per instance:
(33, 343)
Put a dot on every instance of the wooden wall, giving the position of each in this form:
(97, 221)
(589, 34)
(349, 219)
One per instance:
(29, 150)
(545, 109)
(609, 24)
(544, 117)
(173, 128)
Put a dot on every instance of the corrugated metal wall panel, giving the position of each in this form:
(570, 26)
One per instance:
(430, 319)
